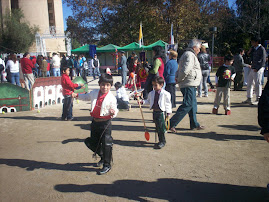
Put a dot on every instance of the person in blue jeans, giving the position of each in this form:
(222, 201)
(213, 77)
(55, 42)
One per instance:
(13, 66)
(96, 67)
(170, 74)
(188, 77)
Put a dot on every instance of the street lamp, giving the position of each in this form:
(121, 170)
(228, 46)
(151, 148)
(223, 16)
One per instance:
(214, 30)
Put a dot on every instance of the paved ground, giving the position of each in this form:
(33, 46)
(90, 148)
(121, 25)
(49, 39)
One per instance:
(45, 159)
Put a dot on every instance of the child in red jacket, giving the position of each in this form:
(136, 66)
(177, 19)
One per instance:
(68, 89)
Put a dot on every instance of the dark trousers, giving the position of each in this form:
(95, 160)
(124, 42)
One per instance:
(238, 81)
(122, 104)
(171, 88)
(189, 106)
(101, 144)
(67, 108)
(148, 86)
(158, 119)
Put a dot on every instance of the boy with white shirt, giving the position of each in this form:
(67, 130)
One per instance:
(225, 74)
(160, 101)
(103, 109)
(122, 97)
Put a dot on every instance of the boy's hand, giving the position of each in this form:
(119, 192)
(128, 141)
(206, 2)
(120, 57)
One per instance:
(74, 95)
(82, 84)
(112, 112)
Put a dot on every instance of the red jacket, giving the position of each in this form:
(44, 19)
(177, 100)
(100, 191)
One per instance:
(68, 85)
(34, 60)
(26, 66)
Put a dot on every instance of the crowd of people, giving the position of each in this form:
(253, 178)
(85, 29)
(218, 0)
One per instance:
(23, 71)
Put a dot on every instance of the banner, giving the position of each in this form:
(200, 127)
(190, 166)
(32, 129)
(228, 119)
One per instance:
(92, 50)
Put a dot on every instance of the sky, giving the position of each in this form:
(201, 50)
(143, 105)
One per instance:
(67, 11)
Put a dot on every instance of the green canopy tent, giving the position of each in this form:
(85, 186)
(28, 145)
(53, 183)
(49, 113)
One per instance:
(82, 49)
(131, 46)
(107, 49)
(157, 43)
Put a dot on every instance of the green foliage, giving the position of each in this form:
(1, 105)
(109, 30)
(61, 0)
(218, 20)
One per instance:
(117, 21)
(17, 35)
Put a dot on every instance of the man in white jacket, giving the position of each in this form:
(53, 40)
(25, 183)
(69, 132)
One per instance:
(188, 78)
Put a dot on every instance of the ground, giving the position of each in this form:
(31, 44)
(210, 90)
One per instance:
(45, 159)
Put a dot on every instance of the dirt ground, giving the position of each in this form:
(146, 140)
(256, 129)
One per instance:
(45, 159)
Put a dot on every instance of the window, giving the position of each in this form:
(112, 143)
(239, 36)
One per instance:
(50, 91)
(51, 15)
(38, 93)
(14, 4)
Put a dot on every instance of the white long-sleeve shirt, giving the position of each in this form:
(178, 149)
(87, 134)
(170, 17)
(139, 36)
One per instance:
(108, 103)
(164, 101)
(13, 67)
(121, 93)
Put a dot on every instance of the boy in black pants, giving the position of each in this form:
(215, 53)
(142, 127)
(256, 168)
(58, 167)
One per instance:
(103, 109)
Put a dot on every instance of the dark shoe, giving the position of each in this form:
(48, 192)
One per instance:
(159, 145)
(100, 163)
(214, 111)
(104, 170)
(227, 112)
(63, 119)
(198, 128)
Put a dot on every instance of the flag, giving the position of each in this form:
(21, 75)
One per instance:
(172, 41)
(140, 39)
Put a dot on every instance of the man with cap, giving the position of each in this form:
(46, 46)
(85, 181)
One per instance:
(123, 67)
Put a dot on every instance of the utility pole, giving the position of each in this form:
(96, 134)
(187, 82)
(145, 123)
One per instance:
(214, 30)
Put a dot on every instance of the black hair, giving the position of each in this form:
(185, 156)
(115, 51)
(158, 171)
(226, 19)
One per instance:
(228, 58)
(64, 68)
(240, 50)
(25, 54)
(158, 79)
(118, 85)
(256, 39)
(159, 53)
(106, 78)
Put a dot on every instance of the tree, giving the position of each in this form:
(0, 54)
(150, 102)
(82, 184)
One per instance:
(253, 17)
(17, 36)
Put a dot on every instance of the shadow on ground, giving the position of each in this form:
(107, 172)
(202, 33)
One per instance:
(31, 165)
(219, 137)
(126, 143)
(242, 127)
(37, 118)
(169, 189)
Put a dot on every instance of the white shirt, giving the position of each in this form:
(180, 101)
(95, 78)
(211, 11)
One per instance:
(2, 62)
(13, 67)
(56, 61)
(108, 103)
(121, 93)
(164, 101)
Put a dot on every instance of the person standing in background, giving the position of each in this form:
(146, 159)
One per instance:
(123, 67)
(204, 59)
(239, 64)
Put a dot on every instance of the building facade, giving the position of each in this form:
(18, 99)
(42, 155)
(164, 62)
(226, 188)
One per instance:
(48, 16)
